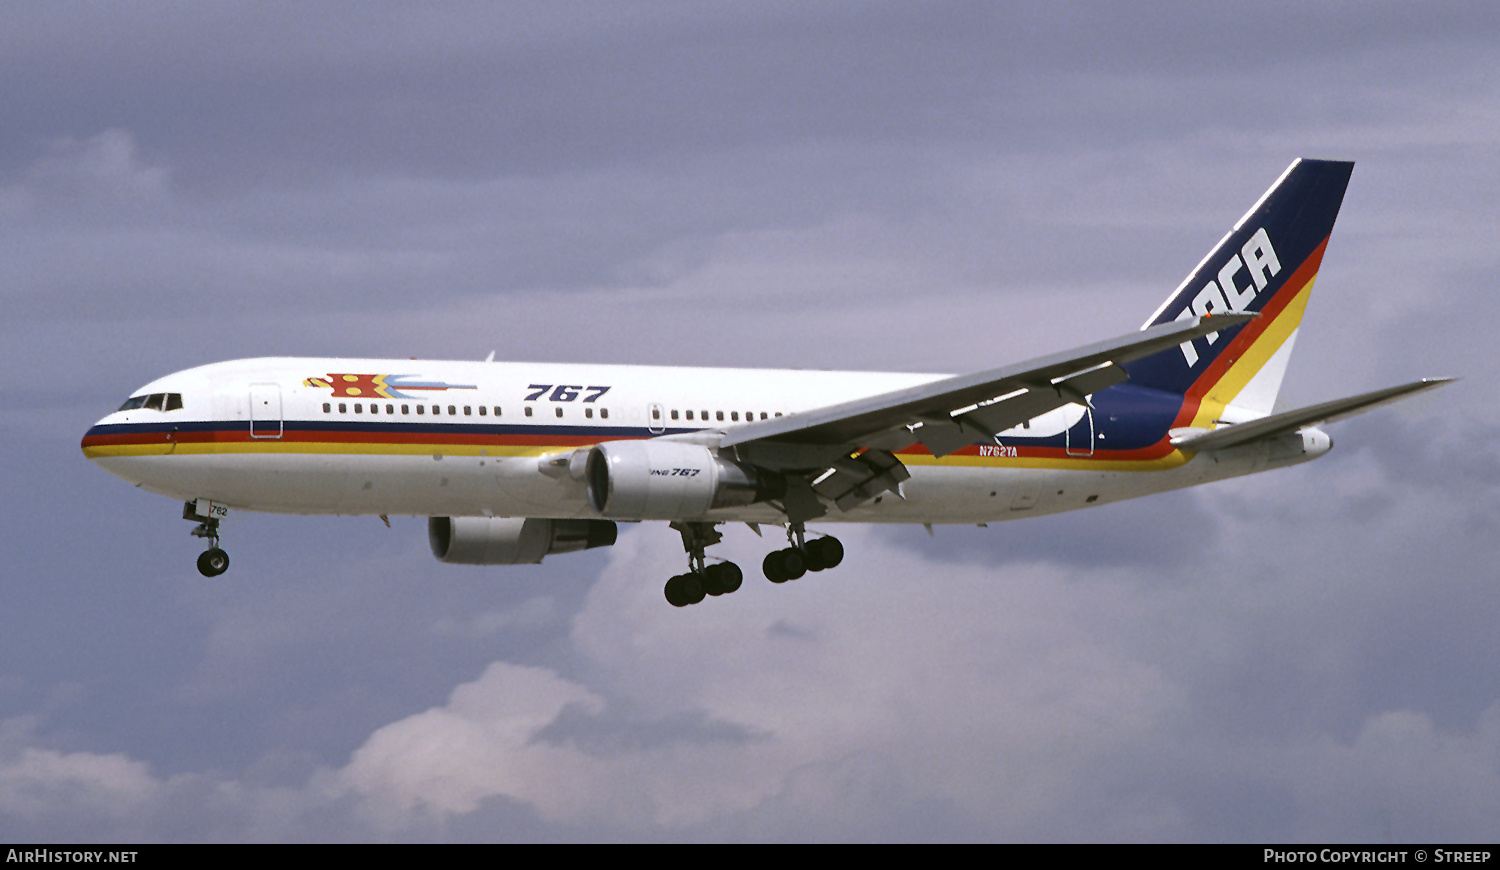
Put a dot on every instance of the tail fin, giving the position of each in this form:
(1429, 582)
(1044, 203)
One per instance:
(1266, 264)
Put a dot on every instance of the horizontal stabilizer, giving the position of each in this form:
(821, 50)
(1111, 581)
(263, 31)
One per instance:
(1290, 421)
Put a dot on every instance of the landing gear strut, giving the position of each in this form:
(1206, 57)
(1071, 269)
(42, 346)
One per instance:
(214, 561)
(802, 555)
(701, 579)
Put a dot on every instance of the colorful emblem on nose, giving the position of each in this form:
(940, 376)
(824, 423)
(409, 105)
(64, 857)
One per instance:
(357, 386)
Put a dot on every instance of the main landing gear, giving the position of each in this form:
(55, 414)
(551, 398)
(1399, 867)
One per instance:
(722, 578)
(214, 560)
(802, 556)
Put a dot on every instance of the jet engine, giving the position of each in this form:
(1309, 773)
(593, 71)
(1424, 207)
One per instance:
(512, 541)
(667, 480)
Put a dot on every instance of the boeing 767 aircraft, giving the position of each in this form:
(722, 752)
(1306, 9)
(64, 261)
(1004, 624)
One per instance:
(512, 462)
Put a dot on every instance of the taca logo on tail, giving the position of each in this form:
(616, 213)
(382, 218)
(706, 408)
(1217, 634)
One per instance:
(1265, 265)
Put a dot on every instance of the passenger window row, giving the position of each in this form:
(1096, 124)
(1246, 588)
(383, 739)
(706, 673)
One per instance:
(437, 410)
(588, 413)
(468, 410)
(734, 416)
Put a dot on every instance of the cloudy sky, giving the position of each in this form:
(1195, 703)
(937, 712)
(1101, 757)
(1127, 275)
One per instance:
(1303, 655)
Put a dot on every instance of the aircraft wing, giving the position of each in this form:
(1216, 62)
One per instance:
(954, 412)
(1290, 421)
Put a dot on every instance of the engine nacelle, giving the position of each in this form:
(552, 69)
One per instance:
(667, 480)
(512, 541)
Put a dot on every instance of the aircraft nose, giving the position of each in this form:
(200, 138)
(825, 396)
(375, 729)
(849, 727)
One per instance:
(93, 440)
(122, 449)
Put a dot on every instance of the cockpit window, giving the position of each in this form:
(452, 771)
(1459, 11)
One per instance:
(154, 402)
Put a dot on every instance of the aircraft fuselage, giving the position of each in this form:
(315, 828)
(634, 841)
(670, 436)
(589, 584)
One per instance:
(424, 438)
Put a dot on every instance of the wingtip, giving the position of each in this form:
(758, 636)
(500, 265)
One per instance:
(1219, 321)
(1235, 320)
(1426, 384)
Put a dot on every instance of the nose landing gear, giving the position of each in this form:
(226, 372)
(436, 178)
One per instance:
(214, 561)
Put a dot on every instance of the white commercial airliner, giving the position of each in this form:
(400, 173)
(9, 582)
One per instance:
(512, 462)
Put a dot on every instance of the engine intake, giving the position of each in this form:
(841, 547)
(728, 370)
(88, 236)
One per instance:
(513, 541)
(666, 480)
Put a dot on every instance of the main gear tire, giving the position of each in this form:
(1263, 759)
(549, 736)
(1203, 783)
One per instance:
(730, 576)
(825, 553)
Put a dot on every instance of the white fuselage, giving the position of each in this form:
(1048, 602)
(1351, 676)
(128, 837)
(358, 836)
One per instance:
(425, 438)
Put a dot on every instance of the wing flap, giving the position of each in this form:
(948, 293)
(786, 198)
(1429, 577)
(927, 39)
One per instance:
(855, 480)
(1290, 421)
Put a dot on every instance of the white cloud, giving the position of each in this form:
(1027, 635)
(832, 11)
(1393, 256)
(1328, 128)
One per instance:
(971, 688)
(40, 783)
(479, 744)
